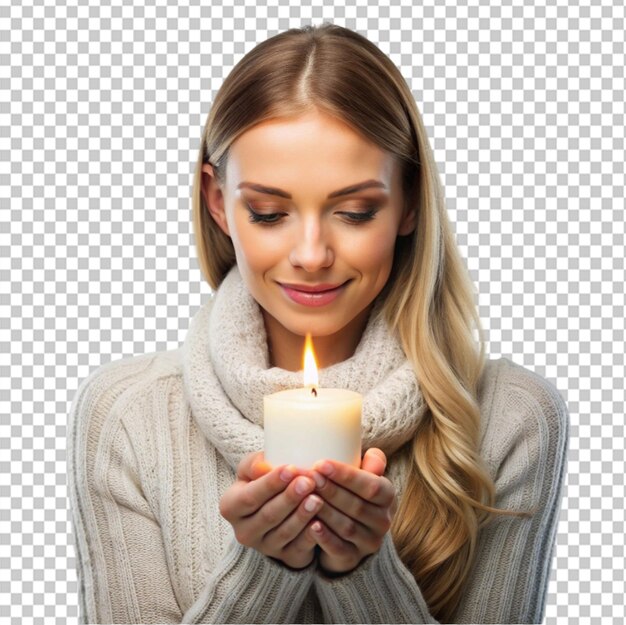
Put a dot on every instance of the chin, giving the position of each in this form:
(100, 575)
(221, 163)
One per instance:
(300, 323)
(317, 329)
(319, 324)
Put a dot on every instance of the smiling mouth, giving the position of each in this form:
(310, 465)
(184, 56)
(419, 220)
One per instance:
(313, 294)
(311, 288)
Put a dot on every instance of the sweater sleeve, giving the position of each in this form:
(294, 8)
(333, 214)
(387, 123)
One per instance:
(124, 572)
(509, 577)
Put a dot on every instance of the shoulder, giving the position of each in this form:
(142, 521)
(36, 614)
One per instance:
(506, 381)
(124, 379)
(113, 394)
(517, 389)
(521, 413)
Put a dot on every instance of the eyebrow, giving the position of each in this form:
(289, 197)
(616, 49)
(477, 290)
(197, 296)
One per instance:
(345, 191)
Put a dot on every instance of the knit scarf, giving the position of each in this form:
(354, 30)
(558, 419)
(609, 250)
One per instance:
(226, 372)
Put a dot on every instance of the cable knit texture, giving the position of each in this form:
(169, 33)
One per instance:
(154, 441)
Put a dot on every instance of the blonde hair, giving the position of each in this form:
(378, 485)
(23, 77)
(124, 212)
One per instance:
(429, 297)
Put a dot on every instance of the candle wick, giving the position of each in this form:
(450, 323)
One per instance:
(314, 391)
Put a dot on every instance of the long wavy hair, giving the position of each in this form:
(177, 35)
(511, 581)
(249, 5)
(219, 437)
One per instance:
(429, 298)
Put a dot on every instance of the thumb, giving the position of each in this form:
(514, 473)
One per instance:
(252, 466)
(374, 461)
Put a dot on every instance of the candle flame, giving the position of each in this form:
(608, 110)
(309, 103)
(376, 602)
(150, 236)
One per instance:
(310, 365)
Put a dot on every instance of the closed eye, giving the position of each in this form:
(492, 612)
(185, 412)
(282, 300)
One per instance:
(359, 217)
(264, 218)
(351, 217)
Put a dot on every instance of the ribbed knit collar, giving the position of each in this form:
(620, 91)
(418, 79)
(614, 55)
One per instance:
(226, 374)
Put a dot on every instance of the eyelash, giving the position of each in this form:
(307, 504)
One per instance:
(271, 219)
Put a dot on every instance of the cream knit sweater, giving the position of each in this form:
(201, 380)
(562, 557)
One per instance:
(154, 441)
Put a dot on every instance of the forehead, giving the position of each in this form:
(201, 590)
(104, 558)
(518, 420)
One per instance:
(314, 151)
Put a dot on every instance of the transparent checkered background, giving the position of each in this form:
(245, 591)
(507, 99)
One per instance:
(101, 114)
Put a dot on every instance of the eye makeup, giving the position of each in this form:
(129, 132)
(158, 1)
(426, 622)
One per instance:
(353, 217)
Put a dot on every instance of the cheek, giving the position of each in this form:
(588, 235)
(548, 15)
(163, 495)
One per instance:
(373, 254)
(254, 247)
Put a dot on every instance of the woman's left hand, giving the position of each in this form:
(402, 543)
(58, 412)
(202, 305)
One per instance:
(360, 507)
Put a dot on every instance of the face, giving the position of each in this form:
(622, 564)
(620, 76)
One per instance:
(313, 210)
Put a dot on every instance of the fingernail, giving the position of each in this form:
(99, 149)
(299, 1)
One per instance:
(320, 480)
(302, 486)
(312, 503)
(286, 475)
(326, 468)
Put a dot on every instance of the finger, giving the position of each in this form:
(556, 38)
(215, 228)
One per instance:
(374, 461)
(302, 544)
(300, 551)
(253, 466)
(274, 511)
(374, 517)
(344, 554)
(293, 526)
(250, 496)
(245, 467)
(259, 468)
(377, 490)
(365, 538)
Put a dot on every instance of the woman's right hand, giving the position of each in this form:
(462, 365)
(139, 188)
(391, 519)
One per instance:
(272, 509)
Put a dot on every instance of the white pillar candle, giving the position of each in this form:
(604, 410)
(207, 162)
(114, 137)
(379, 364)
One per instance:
(308, 424)
(301, 428)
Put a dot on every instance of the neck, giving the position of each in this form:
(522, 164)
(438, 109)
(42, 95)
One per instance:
(286, 348)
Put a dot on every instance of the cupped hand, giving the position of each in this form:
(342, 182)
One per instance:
(359, 507)
(271, 510)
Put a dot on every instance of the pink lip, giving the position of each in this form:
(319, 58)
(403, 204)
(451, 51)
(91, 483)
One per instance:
(312, 294)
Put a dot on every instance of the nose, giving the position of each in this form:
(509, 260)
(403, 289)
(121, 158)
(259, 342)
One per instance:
(311, 251)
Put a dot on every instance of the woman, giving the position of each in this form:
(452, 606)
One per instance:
(317, 208)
